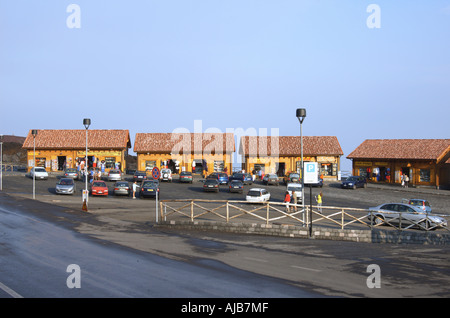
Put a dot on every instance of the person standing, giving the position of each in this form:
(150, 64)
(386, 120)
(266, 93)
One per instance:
(134, 189)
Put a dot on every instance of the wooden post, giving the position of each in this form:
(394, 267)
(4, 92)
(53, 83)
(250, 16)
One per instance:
(228, 212)
(192, 211)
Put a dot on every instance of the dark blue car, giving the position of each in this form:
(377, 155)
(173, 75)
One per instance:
(246, 178)
(222, 177)
(354, 182)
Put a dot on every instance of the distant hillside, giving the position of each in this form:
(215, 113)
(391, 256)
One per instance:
(12, 150)
(15, 139)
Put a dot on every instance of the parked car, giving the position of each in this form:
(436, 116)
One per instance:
(391, 212)
(166, 175)
(420, 203)
(39, 173)
(122, 188)
(291, 177)
(99, 187)
(297, 188)
(71, 173)
(236, 186)
(211, 184)
(139, 176)
(354, 182)
(271, 179)
(149, 188)
(114, 175)
(246, 178)
(186, 176)
(65, 186)
(257, 195)
(222, 177)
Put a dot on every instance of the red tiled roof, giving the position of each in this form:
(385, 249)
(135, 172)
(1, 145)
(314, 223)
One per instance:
(184, 142)
(76, 139)
(425, 149)
(290, 146)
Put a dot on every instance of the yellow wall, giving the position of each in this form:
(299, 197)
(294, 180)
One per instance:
(51, 157)
(184, 160)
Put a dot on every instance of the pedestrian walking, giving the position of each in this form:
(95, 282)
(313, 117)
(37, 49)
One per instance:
(319, 202)
(294, 200)
(406, 180)
(287, 200)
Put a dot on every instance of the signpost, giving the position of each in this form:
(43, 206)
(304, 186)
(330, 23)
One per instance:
(156, 174)
(311, 177)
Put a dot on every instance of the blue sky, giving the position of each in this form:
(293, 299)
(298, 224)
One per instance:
(154, 66)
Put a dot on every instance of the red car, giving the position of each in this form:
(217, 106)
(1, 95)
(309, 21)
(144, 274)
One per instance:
(99, 188)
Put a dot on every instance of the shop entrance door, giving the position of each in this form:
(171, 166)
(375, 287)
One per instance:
(61, 163)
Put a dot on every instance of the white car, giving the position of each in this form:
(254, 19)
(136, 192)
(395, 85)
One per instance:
(297, 188)
(257, 195)
(39, 173)
(166, 175)
(406, 213)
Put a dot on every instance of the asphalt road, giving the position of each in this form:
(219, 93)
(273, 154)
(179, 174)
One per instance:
(121, 254)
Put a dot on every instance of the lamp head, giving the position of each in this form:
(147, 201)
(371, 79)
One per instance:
(86, 122)
(301, 114)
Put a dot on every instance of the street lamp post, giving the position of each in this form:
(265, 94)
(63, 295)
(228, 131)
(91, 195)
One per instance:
(1, 162)
(34, 133)
(86, 123)
(301, 114)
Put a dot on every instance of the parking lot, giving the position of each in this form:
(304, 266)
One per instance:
(18, 184)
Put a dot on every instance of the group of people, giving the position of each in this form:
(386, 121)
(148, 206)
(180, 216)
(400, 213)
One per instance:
(292, 199)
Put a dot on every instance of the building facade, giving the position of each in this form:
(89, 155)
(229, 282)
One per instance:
(425, 161)
(196, 152)
(57, 150)
(282, 154)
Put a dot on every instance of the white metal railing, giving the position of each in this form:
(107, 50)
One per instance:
(294, 214)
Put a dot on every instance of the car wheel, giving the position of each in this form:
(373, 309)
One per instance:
(378, 219)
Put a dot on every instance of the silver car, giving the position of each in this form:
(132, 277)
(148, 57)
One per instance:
(406, 214)
(122, 188)
(65, 186)
(114, 175)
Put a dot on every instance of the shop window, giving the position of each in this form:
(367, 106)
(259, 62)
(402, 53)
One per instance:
(425, 175)
(149, 165)
(219, 166)
(110, 162)
(328, 169)
(40, 162)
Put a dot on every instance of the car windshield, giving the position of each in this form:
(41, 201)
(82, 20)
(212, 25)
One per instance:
(39, 169)
(352, 179)
(71, 170)
(254, 193)
(211, 181)
(236, 182)
(186, 174)
(99, 184)
(149, 184)
(140, 173)
(66, 182)
(122, 184)
(294, 175)
(294, 188)
(114, 171)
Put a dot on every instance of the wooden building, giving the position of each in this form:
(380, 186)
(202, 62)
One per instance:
(282, 154)
(59, 149)
(425, 161)
(185, 151)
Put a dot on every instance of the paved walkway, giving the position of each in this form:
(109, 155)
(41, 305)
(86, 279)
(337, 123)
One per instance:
(410, 189)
